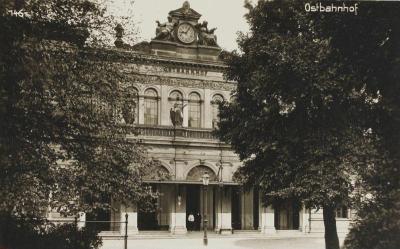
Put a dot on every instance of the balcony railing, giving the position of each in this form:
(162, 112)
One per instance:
(168, 131)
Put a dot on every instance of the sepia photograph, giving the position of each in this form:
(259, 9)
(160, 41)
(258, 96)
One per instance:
(221, 124)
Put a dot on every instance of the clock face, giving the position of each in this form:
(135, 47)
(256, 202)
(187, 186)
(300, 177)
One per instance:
(186, 33)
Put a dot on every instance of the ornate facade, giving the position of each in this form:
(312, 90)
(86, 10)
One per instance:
(178, 87)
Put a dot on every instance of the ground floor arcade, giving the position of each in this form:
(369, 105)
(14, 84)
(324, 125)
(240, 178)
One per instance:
(227, 208)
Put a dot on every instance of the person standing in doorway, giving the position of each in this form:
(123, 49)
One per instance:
(198, 221)
(191, 222)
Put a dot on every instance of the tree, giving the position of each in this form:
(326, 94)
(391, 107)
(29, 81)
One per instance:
(369, 44)
(60, 139)
(294, 120)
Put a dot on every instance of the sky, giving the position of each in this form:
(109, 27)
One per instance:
(226, 15)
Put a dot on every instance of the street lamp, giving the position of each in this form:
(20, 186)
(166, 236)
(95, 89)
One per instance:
(206, 179)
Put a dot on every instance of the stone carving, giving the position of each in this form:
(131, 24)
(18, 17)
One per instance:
(192, 83)
(185, 12)
(176, 115)
(186, 8)
(159, 173)
(206, 36)
(196, 174)
(119, 33)
(165, 31)
(128, 111)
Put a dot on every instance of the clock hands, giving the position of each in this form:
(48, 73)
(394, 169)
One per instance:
(185, 31)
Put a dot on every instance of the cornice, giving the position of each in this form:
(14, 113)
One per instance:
(135, 57)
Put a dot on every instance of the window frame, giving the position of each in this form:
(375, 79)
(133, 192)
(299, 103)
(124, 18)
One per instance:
(194, 108)
(151, 103)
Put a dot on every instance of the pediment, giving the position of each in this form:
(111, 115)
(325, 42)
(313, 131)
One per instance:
(185, 12)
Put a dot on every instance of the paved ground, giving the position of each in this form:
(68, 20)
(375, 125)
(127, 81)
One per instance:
(218, 243)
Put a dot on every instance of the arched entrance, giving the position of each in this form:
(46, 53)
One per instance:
(196, 196)
(158, 218)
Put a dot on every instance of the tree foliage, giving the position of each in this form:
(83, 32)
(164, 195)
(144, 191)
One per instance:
(61, 144)
(309, 93)
(39, 234)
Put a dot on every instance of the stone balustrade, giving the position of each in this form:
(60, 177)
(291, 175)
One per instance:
(169, 131)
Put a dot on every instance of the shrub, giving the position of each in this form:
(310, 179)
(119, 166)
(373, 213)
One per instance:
(34, 234)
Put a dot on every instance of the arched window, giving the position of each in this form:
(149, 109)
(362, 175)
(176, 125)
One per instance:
(215, 109)
(176, 108)
(150, 107)
(194, 110)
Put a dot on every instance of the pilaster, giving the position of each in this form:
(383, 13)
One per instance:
(268, 220)
(131, 210)
(178, 211)
(224, 211)
(81, 220)
(141, 109)
(185, 113)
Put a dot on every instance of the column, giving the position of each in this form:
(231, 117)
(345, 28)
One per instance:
(268, 220)
(224, 213)
(303, 220)
(185, 113)
(131, 210)
(159, 110)
(141, 109)
(116, 215)
(247, 209)
(178, 211)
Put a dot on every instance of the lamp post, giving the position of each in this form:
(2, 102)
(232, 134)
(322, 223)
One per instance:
(206, 179)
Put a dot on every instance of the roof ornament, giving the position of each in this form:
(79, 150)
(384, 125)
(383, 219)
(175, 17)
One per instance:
(119, 33)
(186, 7)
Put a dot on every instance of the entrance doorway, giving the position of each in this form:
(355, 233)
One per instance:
(236, 201)
(99, 214)
(245, 209)
(287, 215)
(156, 217)
(147, 218)
(256, 208)
(193, 206)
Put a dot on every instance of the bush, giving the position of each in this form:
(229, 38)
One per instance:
(32, 234)
(377, 228)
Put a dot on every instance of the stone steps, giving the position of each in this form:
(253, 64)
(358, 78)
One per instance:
(211, 234)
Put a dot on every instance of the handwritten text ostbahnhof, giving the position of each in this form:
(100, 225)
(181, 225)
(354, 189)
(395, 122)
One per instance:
(332, 8)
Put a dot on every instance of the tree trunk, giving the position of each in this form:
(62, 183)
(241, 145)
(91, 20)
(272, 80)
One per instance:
(331, 237)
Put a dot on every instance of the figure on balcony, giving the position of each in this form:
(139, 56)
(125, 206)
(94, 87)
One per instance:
(176, 115)
(128, 112)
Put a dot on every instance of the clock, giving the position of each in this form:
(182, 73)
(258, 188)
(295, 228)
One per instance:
(186, 33)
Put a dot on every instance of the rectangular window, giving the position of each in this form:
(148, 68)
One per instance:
(194, 115)
(342, 212)
(150, 112)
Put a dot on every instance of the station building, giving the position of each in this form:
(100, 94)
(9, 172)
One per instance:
(178, 86)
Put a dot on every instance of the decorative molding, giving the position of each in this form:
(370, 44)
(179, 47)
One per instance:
(177, 82)
(185, 70)
(196, 173)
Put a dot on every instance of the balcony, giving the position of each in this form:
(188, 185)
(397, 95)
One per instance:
(169, 131)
